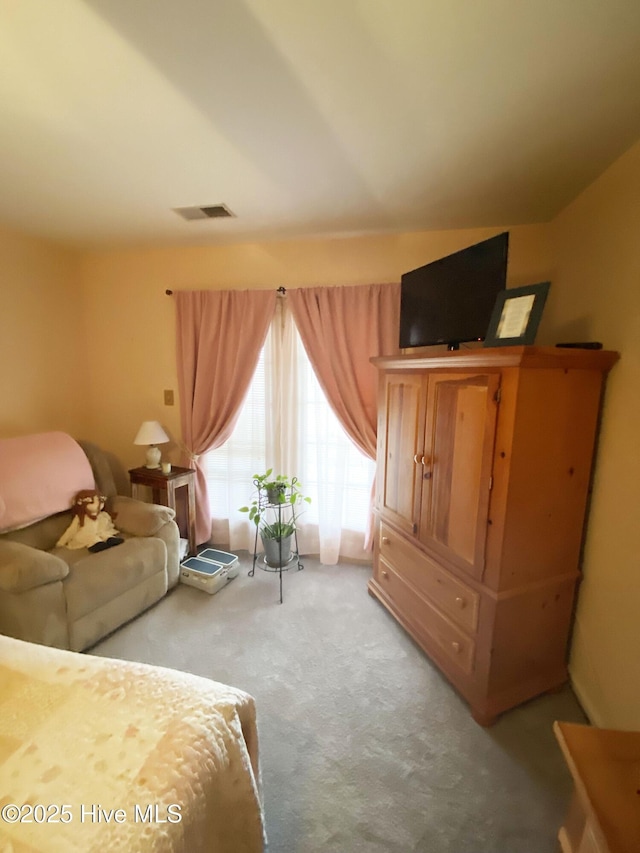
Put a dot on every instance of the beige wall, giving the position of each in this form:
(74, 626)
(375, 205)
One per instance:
(596, 296)
(132, 320)
(41, 338)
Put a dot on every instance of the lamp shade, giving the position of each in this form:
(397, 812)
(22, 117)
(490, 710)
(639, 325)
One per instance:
(151, 432)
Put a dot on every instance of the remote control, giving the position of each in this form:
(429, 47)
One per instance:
(582, 345)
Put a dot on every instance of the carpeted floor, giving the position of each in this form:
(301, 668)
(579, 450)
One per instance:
(364, 745)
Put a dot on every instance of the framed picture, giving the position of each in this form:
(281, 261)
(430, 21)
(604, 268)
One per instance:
(516, 315)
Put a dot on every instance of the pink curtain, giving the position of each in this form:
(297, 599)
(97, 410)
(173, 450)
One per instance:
(341, 329)
(219, 338)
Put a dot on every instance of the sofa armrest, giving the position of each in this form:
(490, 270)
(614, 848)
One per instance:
(138, 518)
(23, 567)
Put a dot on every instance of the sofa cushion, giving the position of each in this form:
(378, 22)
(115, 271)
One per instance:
(96, 578)
(140, 519)
(23, 568)
(43, 534)
(87, 630)
(101, 467)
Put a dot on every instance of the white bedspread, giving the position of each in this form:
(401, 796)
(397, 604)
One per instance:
(105, 755)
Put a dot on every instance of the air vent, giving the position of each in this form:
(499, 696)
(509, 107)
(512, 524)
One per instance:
(209, 211)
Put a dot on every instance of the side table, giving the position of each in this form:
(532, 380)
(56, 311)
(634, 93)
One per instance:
(163, 488)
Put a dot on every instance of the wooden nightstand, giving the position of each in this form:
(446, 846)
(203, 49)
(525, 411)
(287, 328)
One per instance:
(163, 488)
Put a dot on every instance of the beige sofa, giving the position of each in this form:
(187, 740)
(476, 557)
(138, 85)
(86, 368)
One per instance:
(71, 599)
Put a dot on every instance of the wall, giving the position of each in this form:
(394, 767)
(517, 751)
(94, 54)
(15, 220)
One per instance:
(132, 320)
(596, 296)
(41, 338)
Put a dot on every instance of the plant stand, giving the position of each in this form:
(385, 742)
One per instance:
(277, 510)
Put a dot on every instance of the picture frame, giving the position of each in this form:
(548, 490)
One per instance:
(516, 315)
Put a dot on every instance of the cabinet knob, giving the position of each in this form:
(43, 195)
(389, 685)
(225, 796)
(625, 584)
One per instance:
(461, 602)
(385, 540)
(416, 458)
(455, 645)
(384, 574)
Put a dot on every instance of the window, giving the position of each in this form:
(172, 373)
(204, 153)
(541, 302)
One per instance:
(286, 423)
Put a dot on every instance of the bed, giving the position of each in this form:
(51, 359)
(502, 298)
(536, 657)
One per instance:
(100, 754)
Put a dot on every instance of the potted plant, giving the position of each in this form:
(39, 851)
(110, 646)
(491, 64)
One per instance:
(273, 494)
(276, 541)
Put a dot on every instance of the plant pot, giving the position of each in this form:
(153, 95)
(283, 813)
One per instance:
(275, 494)
(277, 552)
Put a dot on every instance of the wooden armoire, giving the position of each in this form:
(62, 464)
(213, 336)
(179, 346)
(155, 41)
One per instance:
(484, 468)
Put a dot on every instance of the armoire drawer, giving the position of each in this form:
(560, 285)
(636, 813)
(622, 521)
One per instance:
(458, 601)
(426, 619)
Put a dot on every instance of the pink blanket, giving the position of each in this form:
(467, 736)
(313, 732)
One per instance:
(39, 476)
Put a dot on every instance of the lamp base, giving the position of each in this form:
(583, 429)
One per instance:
(153, 456)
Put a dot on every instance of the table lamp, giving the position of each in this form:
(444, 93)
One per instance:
(152, 434)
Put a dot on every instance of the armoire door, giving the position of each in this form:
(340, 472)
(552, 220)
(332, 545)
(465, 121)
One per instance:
(399, 480)
(456, 475)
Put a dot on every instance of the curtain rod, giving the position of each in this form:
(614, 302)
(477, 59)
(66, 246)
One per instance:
(280, 290)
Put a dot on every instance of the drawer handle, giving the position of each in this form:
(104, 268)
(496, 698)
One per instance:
(385, 540)
(461, 602)
(457, 648)
(384, 574)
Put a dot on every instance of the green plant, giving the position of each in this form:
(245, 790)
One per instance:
(272, 491)
(277, 530)
(266, 482)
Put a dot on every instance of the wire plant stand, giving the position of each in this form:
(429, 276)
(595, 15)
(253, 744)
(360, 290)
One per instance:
(281, 508)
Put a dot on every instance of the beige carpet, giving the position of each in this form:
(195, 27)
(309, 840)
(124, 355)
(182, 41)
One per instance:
(364, 746)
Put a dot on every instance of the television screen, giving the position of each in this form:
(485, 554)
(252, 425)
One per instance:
(450, 301)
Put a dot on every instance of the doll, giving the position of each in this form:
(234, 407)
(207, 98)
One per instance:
(91, 527)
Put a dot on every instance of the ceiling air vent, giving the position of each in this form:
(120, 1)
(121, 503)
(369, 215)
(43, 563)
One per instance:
(210, 211)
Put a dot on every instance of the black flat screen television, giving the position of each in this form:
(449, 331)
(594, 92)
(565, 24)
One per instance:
(450, 301)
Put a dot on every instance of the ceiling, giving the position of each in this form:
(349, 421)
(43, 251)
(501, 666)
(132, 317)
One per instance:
(307, 118)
